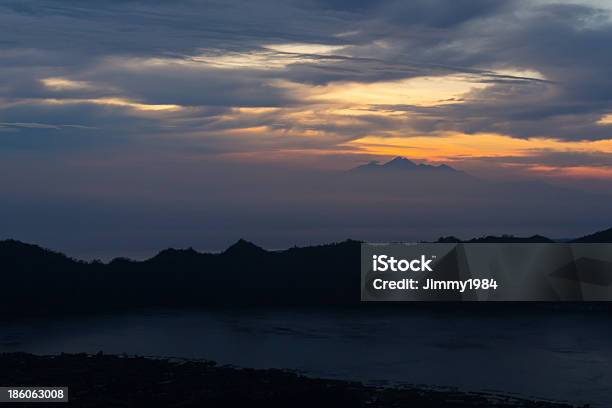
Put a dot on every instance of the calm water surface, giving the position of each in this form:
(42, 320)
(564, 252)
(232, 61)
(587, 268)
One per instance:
(560, 357)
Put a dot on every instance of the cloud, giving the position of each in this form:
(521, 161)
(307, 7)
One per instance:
(240, 77)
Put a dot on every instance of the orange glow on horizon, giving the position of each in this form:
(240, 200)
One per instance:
(575, 171)
(453, 146)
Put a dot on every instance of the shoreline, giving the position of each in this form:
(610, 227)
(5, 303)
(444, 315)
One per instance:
(103, 380)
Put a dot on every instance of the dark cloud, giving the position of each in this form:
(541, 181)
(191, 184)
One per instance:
(147, 52)
(390, 40)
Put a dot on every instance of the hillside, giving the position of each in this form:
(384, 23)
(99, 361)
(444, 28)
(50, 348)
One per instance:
(43, 281)
(39, 281)
(601, 236)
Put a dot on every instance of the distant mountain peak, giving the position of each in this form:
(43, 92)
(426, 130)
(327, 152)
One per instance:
(400, 163)
(243, 246)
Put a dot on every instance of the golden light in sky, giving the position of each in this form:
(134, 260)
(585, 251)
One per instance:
(352, 116)
(605, 120)
(115, 102)
(453, 146)
(60, 84)
(419, 91)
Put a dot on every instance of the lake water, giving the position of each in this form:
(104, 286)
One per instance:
(564, 356)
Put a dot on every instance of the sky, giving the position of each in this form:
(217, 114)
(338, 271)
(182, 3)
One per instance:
(111, 110)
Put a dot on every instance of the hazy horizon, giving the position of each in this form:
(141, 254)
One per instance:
(135, 213)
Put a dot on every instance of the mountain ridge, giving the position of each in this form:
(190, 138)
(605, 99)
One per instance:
(401, 163)
(44, 282)
(243, 246)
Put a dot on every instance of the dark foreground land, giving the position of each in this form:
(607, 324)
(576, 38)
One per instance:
(43, 282)
(118, 381)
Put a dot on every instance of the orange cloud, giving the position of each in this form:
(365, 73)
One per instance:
(452, 146)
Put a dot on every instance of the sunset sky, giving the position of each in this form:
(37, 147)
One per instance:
(108, 89)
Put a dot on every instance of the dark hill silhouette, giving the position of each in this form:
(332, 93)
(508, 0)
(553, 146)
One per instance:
(600, 236)
(40, 281)
(503, 239)
(43, 281)
(244, 248)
